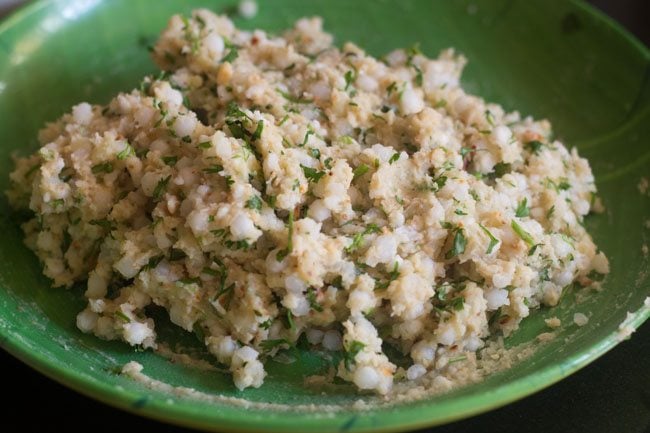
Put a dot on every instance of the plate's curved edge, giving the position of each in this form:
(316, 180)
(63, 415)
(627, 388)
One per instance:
(21, 12)
(615, 25)
(123, 399)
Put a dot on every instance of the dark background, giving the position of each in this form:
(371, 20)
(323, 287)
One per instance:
(610, 395)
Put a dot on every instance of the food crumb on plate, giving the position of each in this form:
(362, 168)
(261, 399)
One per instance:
(546, 336)
(553, 322)
(247, 8)
(580, 319)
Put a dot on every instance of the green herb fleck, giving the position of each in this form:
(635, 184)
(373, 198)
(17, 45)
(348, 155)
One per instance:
(490, 118)
(306, 139)
(128, 151)
(351, 352)
(266, 324)
(464, 151)
(258, 131)
(213, 169)
(170, 160)
(394, 158)
(358, 238)
(160, 188)
(360, 170)
(418, 76)
(292, 325)
(153, 262)
(188, 281)
(103, 223)
(231, 55)
(315, 153)
(269, 345)
(563, 185)
(522, 209)
(176, 254)
(120, 315)
(289, 97)
(550, 212)
(534, 146)
(457, 304)
(254, 202)
(523, 234)
(312, 174)
(458, 246)
(313, 303)
(493, 240)
(532, 249)
(500, 169)
(350, 78)
(283, 253)
(57, 202)
(105, 167)
(457, 359)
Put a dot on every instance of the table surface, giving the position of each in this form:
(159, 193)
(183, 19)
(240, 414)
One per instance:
(610, 395)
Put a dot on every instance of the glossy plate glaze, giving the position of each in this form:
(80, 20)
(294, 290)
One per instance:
(554, 59)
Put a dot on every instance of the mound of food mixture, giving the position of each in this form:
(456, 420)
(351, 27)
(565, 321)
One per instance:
(269, 191)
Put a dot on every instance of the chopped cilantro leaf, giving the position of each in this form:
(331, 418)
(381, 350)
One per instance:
(315, 153)
(457, 304)
(231, 55)
(128, 151)
(523, 234)
(170, 160)
(360, 170)
(213, 169)
(351, 351)
(258, 131)
(459, 244)
(493, 240)
(269, 345)
(254, 202)
(522, 209)
(312, 174)
(296, 100)
(285, 252)
(534, 146)
(350, 77)
(160, 188)
(489, 117)
(313, 302)
(358, 238)
(105, 167)
(103, 223)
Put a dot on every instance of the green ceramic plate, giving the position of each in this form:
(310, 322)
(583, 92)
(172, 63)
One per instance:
(554, 59)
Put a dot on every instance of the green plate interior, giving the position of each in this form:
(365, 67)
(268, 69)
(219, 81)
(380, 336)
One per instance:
(553, 59)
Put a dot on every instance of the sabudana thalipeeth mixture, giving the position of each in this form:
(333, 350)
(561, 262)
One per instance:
(265, 189)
